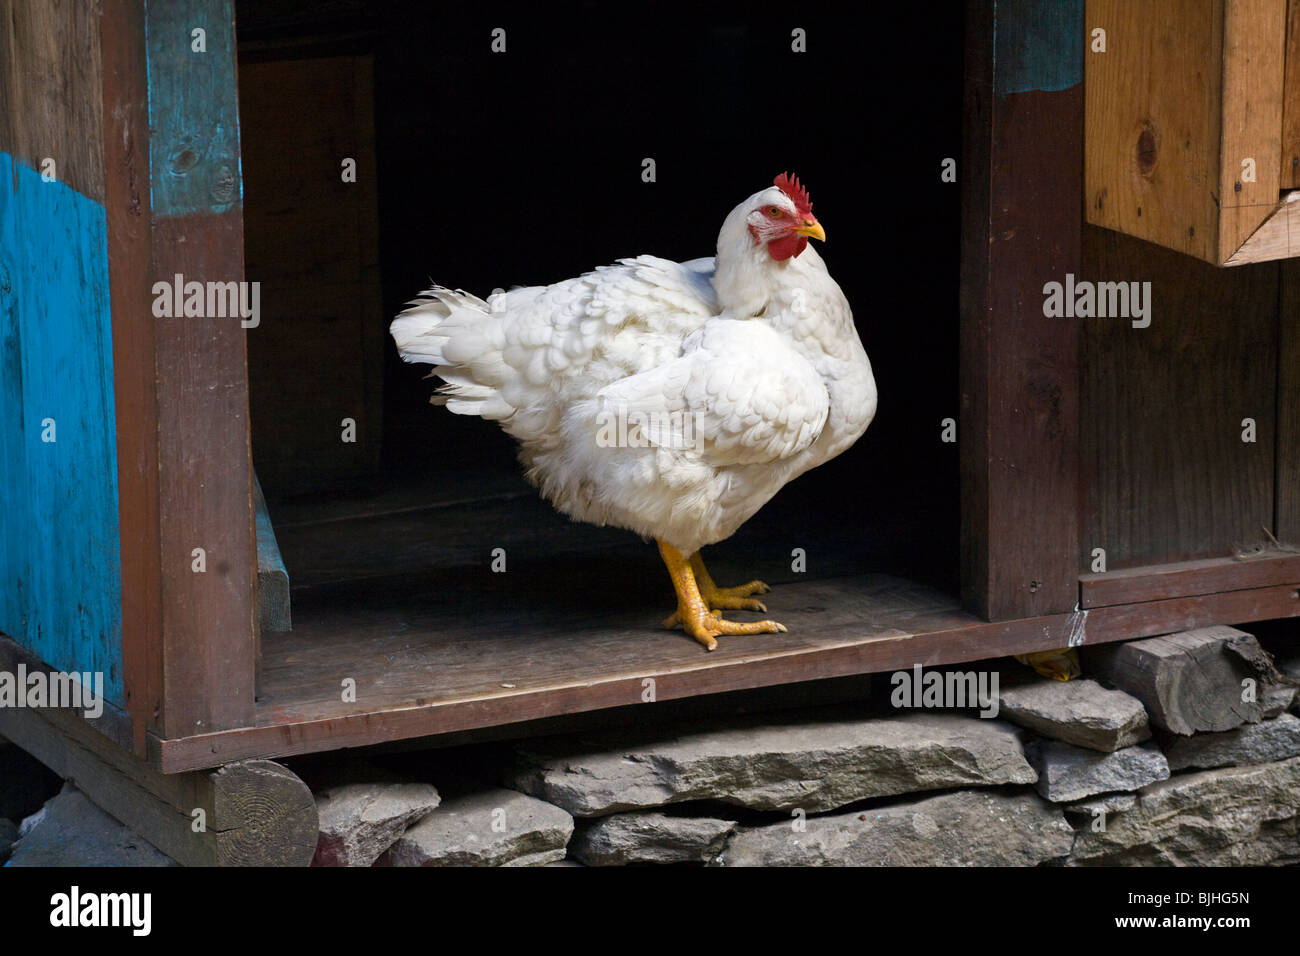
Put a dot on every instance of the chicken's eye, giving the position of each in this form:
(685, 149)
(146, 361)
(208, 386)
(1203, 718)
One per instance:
(775, 212)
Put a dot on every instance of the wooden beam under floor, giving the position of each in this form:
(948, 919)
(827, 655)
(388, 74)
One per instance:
(249, 813)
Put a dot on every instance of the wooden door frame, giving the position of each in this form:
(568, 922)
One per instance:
(185, 474)
(1022, 226)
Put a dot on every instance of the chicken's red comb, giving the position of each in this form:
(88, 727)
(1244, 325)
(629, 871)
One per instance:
(798, 195)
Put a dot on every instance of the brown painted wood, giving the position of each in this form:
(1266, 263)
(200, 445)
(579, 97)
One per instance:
(307, 229)
(250, 813)
(1165, 474)
(1287, 526)
(1019, 373)
(422, 675)
(1160, 582)
(126, 204)
(205, 484)
(60, 116)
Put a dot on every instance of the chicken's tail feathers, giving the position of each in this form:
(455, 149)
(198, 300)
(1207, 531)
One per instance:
(456, 333)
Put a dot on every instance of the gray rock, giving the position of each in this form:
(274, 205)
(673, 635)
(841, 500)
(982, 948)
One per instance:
(966, 828)
(1277, 699)
(359, 821)
(71, 831)
(1109, 803)
(813, 766)
(649, 838)
(1067, 773)
(490, 828)
(1079, 712)
(1265, 742)
(1238, 816)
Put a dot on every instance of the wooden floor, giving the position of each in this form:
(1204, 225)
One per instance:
(394, 596)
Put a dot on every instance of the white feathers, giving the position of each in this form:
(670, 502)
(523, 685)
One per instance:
(670, 399)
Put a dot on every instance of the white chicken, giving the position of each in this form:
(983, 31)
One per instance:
(670, 399)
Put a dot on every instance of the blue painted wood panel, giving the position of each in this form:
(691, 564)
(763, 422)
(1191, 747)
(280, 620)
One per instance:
(193, 108)
(1038, 45)
(60, 572)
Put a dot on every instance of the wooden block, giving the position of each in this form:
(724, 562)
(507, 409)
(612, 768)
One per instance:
(1189, 682)
(253, 813)
(1184, 125)
(273, 611)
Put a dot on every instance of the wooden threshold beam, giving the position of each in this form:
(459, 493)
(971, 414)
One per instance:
(847, 652)
(250, 813)
(1187, 578)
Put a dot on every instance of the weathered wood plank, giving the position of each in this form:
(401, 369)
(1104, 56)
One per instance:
(462, 648)
(1287, 527)
(60, 591)
(1019, 377)
(1290, 152)
(1254, 49)
(1167, 161)
(127, 206)
(1138, 167)
(1166, 475)
(252, 813)
(205, 474)
(50, 104)
(1159, 582)
(273, 605)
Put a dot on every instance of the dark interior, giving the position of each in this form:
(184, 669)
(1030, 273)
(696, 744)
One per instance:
(483, 170)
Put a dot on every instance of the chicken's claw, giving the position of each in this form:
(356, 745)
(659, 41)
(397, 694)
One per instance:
(700, 602)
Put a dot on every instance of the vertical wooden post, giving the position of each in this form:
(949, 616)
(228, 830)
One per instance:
(174, 208)
(1022, 227)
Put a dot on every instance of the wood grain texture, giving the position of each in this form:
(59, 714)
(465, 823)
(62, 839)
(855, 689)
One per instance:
(254, 813)
(1165, 474)
(406, 605)
(193, 109)
(205, 486)
(1189, 682)
(50, 103)
(311, 240)
(1151, 166)
(1290, 171)
(438, 675)
(205, 473)
(1019, 379)
(1254, 48)
(60, 584)
(126, 205)
(1163, 581)
(1277, 238)
(273, 604)
(1164, 160)
(1287, 527)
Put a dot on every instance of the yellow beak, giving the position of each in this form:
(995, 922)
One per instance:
(813, 229)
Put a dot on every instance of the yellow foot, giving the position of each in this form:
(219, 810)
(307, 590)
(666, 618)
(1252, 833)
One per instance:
(693, 614)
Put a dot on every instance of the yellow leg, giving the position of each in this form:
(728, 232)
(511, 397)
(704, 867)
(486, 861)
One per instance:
(729, 599)
(692, 610)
